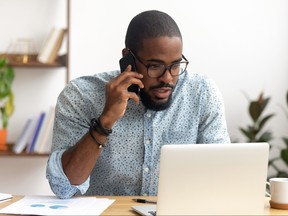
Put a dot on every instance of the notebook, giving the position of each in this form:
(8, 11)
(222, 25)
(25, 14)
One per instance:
(211, 179)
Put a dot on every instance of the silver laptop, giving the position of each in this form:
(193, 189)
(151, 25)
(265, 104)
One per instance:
(211, 179)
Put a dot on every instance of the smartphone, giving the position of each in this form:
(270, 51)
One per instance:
(124, 62)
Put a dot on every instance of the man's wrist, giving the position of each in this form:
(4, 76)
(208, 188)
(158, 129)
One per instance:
(98, 142)
(106, 122)
(96, 125)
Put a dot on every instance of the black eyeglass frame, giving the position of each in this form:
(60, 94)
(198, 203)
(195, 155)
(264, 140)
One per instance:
(165, 67)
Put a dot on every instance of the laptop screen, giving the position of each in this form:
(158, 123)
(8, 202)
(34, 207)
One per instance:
(212, 178)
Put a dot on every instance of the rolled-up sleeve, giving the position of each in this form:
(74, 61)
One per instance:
(59, 183)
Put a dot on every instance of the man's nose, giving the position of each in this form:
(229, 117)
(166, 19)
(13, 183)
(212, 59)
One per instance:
(166, 77)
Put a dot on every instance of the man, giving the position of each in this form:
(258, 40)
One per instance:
(107, 140)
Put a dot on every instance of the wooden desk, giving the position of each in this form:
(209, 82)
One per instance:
(122, 206)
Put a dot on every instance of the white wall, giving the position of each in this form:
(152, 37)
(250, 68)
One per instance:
(241, 44)
(22, 175)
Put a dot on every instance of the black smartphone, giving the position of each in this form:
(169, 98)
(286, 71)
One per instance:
(124, 62)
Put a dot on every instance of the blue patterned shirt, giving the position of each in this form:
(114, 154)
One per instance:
(129, 163)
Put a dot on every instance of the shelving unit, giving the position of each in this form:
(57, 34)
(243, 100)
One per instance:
(24, 174)
(32, 63)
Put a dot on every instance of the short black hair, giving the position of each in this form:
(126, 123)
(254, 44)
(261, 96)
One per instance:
(150, 24)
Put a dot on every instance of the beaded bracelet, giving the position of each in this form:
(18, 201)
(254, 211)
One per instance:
(96, 125)
(100, 144)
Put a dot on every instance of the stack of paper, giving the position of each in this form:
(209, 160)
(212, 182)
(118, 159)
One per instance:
(50, 205)
(5, 196)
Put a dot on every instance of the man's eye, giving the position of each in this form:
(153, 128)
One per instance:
(175, 66)
(155, 66)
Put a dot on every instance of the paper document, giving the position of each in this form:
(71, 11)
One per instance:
(4, 197)
(51, 205)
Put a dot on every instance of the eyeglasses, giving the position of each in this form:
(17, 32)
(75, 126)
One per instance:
(158, 70)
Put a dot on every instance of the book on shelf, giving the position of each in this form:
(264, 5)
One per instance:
(23, 139)
(43, 144)
(52, 45)
(48, 141)
(34, 135)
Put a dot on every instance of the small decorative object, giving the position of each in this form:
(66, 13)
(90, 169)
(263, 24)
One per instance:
(6, 99)
(22, 49)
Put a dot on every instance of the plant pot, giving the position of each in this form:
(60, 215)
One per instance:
(3, 140)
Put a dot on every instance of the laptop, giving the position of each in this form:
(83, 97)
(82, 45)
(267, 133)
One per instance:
(211, 179)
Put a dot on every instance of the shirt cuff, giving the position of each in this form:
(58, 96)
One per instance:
(59, 182)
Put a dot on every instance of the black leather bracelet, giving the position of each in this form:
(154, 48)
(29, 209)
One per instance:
(96, 125)
(100, 144)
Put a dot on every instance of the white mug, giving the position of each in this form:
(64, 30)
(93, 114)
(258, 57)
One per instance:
(278, 188)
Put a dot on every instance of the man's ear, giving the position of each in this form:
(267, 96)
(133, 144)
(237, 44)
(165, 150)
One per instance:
(125, 52)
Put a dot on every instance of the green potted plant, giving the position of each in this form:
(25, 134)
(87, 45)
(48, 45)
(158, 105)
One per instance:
(254, 132)
(284, 151)
(6, 97)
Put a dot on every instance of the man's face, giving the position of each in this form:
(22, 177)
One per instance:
(157, 92)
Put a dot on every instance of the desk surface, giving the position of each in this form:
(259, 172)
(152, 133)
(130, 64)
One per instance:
(122, 206)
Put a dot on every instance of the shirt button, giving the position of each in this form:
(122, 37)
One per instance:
(147, 142)
(145, 194)
(148, 115)
(146, 169)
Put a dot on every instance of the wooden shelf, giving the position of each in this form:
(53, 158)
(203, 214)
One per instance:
(15, 61)
(9, 152)
(23, 154)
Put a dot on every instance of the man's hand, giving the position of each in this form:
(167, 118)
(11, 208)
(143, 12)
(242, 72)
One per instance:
(117, 96)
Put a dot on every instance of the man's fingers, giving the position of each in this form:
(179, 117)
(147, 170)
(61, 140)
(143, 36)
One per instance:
(134, 97)
(126, 79)
(131, 81)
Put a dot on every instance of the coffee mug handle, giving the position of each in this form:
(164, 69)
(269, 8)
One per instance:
(268, 194)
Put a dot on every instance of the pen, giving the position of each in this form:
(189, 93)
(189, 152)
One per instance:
(144, 201)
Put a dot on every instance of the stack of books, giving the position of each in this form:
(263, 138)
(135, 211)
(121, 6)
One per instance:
(36, 136)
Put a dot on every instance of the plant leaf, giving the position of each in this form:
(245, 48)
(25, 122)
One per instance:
(264, 103)
(285, 139)
(265, 137)
(255, 110)
(9, 106)
(6, 94)
(264, 120)
(287, 98)
(282, 174)
(284, 155)
(248, 134)
(3, 62)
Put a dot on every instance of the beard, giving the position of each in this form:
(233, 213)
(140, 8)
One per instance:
(149, 103)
